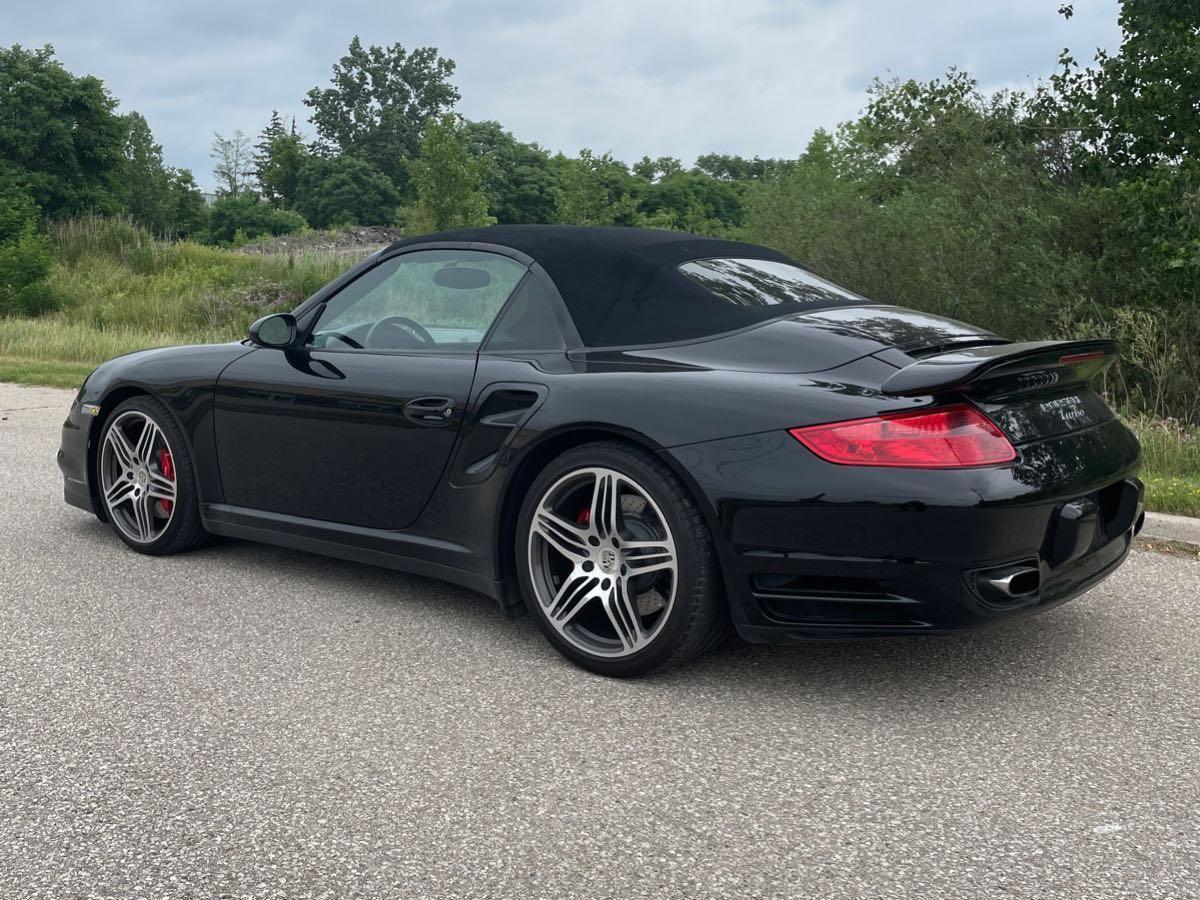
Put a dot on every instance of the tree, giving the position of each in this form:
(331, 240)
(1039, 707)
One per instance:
(273, 129)
(519, 180)
(342, 190)
(379, 101)
(1137, 107)
(1131, 126)
(695, 202)
(278, 156)
(59, 134)
(448, 181)
(161, 199)
(917, 129)
(148, 197)
(657, 169)
(727, 167)
(188, 211)
(595, 190)
(235, 164)
(279, 173)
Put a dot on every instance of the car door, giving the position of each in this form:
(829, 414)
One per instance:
(355, 424)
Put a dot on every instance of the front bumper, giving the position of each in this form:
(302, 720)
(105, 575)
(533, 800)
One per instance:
(811, 550)
(73, 458)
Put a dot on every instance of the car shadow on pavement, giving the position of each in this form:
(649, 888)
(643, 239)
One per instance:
(885, 672)
(869, 672)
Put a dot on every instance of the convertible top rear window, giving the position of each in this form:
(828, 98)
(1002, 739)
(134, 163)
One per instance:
(766, 282)
(699, 298)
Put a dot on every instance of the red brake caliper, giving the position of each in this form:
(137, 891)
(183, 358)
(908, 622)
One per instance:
(166, 465)
(585, 516)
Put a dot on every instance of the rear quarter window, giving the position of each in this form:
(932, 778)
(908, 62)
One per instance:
(529, 322)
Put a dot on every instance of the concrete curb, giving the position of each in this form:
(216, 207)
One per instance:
(1181, 529)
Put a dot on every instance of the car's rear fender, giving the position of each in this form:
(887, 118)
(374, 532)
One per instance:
(542, 447)
(778, 506)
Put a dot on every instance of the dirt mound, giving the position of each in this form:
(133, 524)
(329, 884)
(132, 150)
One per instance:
(355, 239)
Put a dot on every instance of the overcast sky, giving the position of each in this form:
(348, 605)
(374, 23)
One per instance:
(658, 77)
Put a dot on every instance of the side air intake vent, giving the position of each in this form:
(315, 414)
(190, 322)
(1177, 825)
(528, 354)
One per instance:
(819, 587)
(830, 602)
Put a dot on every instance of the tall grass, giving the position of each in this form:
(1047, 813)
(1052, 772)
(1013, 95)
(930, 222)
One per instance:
(111, 274)
(1170, 464)
(118, 289)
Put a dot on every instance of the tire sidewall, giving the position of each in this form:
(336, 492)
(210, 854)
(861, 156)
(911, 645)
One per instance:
(648, 476)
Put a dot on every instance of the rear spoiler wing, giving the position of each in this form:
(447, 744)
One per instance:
(1043, 362)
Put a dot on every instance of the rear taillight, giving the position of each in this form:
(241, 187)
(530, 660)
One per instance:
(952, 437)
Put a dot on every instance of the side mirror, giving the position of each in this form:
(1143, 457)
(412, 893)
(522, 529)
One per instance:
(277, 330)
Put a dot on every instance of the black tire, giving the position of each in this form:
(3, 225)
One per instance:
(697, 620)
(185, 531)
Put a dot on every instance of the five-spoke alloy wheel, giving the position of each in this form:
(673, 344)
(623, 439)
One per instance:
(137, 476)
(616, 563)
(145, 479)
(603, 562)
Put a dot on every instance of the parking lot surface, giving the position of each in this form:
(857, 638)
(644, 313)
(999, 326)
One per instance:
(249, 721)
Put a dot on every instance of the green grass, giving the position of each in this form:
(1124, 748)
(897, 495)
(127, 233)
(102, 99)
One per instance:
(43, 372)
(120, 290)
(1171, 464)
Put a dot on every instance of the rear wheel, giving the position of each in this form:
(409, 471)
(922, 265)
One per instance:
(616, 563)
(146, 479)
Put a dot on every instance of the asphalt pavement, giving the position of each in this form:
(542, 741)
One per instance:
(245, 721)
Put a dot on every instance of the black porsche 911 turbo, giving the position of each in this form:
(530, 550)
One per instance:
(639, 436)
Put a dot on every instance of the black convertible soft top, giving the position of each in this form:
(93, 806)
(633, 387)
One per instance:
(623, 286)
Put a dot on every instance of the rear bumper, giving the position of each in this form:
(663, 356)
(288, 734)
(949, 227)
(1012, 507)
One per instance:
(815, 551)
(910, 599)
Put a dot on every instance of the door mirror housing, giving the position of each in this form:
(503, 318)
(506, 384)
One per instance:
(278, 330)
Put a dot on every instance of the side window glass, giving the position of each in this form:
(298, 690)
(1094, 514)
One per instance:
(529, 322)
(424, 300)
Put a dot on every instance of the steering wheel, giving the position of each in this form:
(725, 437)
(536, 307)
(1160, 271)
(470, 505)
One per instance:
(400, 325)
(344, 338)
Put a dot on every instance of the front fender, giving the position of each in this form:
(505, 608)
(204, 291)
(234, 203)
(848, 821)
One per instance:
(184, 379)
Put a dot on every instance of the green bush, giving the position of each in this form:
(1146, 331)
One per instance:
(24, 256)
(246, 217)
(18, 212)
(24, 265)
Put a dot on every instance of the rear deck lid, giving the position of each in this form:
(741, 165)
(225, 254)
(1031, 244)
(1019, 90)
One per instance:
(823, 340)
(907, 330)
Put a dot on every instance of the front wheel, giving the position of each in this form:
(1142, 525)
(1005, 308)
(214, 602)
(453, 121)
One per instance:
(146, 479)
(616, 563)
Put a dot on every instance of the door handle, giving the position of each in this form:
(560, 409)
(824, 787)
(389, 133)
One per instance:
(429, 410)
